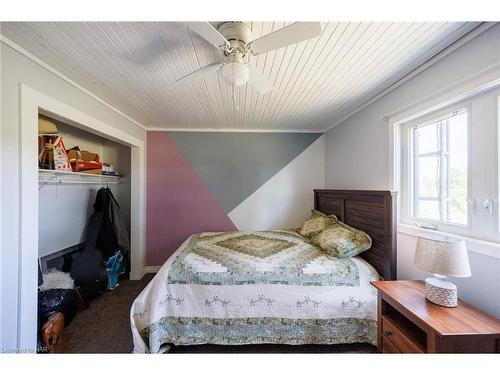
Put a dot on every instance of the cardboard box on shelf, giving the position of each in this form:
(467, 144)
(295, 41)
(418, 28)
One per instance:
(84, 161)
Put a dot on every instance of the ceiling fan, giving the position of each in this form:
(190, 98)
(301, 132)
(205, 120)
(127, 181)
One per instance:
(235, 41)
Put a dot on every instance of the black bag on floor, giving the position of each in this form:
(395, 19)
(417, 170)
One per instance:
(89, 269)
(52, 301)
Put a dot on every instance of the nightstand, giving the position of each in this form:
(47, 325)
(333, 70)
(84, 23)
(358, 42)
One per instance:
(408, 323)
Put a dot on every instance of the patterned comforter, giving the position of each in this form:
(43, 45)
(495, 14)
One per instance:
(255, 287)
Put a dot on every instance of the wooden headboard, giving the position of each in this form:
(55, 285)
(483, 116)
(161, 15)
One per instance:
(372, 211)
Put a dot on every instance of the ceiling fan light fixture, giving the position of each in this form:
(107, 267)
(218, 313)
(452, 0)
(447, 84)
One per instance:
(236, 44)
(235, 73)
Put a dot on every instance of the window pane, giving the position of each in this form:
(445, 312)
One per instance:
(428, 210)
(440, 170)
(428, 177)
(457, 200)
(427, 138)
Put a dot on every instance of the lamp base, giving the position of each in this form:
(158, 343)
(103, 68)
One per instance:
(441, 292)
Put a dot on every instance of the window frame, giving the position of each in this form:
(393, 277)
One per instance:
(408, 180)
(482, 96)
(444, 175)
(497, 205)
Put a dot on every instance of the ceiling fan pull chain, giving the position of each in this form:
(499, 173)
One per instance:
(235, 98)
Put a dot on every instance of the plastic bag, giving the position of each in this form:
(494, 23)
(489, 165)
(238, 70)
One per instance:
(56, 300)
(113, 266)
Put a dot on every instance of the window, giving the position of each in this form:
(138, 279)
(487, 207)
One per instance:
(447, 164)
(440, 169)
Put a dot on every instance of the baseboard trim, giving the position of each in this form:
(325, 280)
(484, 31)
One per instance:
(151, 269)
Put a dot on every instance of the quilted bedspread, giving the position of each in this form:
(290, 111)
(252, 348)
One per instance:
(255, 287)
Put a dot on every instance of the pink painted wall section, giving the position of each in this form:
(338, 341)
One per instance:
(178, 203)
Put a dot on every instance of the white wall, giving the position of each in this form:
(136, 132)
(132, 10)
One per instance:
(358, 152)
(286, 199)
(16, 69)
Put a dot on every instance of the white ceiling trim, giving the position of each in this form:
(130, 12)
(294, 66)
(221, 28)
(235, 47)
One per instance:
(475, 84)
(234, 130)
(43, 64)
(433, 60)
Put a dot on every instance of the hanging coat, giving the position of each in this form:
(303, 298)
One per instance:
(106, 240)
(119, 226)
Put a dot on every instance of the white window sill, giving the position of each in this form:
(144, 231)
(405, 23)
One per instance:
(487, 248)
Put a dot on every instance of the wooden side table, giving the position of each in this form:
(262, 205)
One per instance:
(408, 323)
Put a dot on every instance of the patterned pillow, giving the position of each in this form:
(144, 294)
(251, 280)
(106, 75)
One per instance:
(342, 241)
(316, 223)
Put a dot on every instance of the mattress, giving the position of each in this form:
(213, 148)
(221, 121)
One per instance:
(239, 288)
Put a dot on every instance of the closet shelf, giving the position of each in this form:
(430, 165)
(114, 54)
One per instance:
(48, 176)
(63, 173)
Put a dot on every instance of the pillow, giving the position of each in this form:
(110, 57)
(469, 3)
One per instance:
(342, 241)
(316, 223)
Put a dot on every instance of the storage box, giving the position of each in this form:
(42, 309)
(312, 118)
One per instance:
(84, 161)
(86, 166)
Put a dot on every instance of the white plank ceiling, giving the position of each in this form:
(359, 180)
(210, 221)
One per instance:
(133, 66)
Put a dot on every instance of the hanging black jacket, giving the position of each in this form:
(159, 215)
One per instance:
(106, 239)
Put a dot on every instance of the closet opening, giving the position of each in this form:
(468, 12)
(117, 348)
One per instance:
(84, 211)
(32, 104)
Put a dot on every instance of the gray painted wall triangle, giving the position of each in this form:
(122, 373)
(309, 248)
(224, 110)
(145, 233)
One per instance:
(234, 165)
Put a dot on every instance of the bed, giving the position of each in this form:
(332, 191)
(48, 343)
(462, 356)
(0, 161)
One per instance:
(277, 287)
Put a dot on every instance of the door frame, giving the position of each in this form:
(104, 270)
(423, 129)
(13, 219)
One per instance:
(33, 102)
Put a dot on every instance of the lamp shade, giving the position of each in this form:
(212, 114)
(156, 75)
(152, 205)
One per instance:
(443, 255)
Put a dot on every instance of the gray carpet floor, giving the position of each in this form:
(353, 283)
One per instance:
(104, 328)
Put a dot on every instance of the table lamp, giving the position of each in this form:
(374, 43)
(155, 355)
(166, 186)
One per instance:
(443, 256)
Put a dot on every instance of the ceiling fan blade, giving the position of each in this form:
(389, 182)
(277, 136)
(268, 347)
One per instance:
(197, 74)
(208, 32)
(294, 33)
(258, 80)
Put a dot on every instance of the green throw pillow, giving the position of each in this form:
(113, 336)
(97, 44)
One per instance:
(316, 223)
(342, 241)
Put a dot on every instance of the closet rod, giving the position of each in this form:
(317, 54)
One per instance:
(58, 182)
